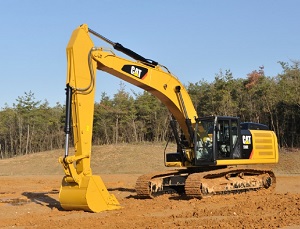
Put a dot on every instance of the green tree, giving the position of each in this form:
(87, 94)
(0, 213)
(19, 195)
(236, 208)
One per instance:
(288, 107)
(103, 121)
(152, 117)
(7, 132)
(25, 107)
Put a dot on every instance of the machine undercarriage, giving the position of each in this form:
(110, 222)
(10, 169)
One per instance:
(197, 184)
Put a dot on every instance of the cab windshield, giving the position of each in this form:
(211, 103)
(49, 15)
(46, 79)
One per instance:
(204, 140)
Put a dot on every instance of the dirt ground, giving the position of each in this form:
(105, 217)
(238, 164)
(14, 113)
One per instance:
(30, 186)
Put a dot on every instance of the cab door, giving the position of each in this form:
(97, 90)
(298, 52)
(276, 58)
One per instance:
(227, 138)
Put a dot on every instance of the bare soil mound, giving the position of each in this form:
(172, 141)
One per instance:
(30, 186)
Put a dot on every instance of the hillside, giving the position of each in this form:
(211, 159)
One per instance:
(122, 159)
(30, 187)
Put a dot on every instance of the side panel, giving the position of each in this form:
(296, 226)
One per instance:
(264, 145)
(258, 147)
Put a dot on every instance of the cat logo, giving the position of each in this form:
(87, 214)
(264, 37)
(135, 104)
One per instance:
(246, 140)
(136, 71)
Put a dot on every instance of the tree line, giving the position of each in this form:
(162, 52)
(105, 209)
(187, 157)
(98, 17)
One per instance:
(32, 126)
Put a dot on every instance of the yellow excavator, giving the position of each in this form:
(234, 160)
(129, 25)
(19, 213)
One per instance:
(213, 153)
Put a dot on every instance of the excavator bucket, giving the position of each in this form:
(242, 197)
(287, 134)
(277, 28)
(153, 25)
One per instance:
(91, 195)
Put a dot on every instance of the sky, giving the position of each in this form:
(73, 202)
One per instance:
(195, 39)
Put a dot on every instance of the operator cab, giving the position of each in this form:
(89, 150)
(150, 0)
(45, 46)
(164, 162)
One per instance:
(216, 138)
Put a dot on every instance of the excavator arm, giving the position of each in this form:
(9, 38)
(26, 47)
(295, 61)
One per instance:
(80, 189)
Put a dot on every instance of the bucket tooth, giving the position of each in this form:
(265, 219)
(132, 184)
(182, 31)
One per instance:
(91, 195)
